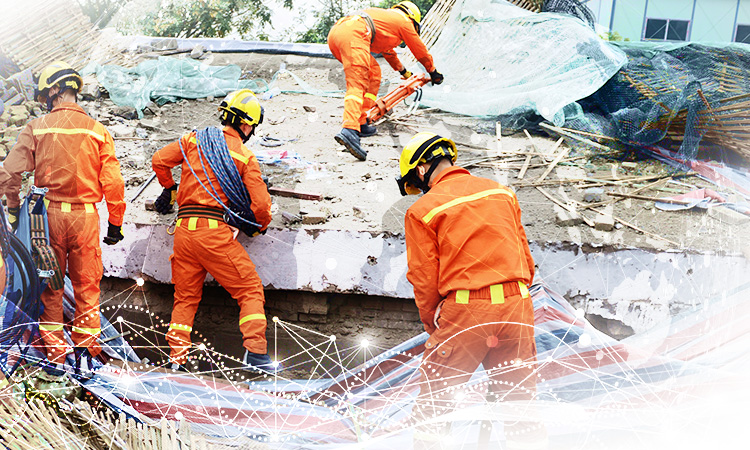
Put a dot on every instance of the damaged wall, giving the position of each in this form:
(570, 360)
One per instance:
(635, 286)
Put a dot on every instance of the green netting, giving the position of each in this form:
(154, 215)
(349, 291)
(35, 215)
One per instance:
(499, 59)
(167, 79)
(682, 92)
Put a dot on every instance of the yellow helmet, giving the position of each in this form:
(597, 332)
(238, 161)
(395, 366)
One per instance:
(422, 148)
(412, 11)
(241, 107)
(61, 74)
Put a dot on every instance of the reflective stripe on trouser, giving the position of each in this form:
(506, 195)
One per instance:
(498, 335)
(213, 250)
(74, 237)
(349, 41)
(371, 94)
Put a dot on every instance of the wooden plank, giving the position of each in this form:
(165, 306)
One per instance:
(566, 207)
(576, 137)
(653, 199)
(558, 158)
(283, 192)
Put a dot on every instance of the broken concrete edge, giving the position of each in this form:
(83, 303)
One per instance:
(639, 287)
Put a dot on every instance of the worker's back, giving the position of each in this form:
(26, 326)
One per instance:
(192, 191)
(475, 225)
(73, 155)
(392, 26)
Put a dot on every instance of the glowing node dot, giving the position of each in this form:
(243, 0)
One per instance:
(331, 263)
(332, 337)
(139, 281)
(365, 343)
(275, 319)
(201, 346)
(579, 313)
(120, 319)
(178, 415)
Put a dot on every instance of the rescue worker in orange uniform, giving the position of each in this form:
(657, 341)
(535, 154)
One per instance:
(204, 243)
(470, 265)
(73, 156)
(352, 40)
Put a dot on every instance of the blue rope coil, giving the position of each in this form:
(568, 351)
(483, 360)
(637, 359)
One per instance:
(213, 150)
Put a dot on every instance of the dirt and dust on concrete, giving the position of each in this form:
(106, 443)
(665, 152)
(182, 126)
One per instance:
(363, 196)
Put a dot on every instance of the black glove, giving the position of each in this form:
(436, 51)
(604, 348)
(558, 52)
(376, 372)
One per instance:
(114, 234)
(13, 217)
(164, 202)
(405, 74)
(436, 77)
(268, 182)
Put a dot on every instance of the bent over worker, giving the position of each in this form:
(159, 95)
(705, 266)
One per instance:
(352, 40)
(204, 242)
(470, 265)
(73, 156)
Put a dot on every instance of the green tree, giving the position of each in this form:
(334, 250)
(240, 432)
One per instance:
(101, 11)
(423, 5)
(205, 18)
(332, 10)
(613, 36)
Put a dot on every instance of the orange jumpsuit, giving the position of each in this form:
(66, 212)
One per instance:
(351, 42)
(73, 156)
(206, 245)
(470, 265)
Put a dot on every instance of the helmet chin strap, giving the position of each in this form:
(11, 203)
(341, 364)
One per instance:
(424, 185)
(51, 100)
(243, 136)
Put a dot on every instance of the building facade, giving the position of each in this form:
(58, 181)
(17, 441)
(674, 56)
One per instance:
(675, 20)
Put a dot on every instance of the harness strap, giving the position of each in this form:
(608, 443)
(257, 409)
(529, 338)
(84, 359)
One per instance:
(370, 23)
(43, 255)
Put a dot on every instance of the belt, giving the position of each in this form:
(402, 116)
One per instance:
(206, 212)
(68, 207)
(496, 292)
(192, 213)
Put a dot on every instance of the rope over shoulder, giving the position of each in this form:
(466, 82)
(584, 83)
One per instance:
(213, 151)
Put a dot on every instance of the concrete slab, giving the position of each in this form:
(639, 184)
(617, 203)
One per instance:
(636, 286)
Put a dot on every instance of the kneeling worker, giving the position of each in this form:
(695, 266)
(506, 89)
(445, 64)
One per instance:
(203, 241)
(470, 265)
(352, 40)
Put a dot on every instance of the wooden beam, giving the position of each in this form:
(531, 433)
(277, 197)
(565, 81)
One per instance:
(283, 192)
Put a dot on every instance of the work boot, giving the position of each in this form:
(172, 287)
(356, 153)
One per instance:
(367, 130)
(350, 139)
(83, 364)
(261, 363)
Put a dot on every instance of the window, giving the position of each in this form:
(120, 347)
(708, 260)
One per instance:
(666, 30)
(655, 29)
(742, 34)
